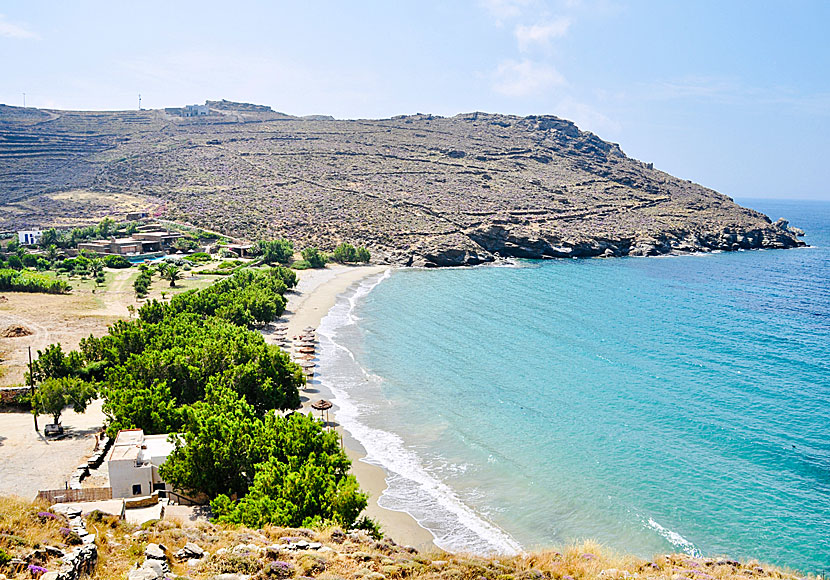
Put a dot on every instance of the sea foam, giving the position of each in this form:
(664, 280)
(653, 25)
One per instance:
(411, 487)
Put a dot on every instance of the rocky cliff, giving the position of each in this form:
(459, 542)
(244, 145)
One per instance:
(416, 190)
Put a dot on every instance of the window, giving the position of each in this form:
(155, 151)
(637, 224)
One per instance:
(137, 489)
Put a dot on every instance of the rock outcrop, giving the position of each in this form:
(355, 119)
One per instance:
(416, 190)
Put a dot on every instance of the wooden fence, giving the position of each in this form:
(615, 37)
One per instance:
(73, 495)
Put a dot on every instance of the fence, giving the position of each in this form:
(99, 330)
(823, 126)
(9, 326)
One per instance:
(73, 495)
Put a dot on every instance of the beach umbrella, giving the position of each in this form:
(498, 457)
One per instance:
(306, 349)
(308, 364)
(322, 405)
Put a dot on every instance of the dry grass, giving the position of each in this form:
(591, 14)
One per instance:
(28, 526)
(356, 556)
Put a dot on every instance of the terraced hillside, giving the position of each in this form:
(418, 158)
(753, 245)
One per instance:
(418, 189)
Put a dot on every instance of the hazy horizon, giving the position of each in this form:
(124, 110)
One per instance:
(728, 96)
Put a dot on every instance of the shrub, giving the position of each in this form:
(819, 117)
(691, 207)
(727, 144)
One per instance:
(347, 253)
(314, 257)
(274, 251)
(369, 525)
(301, 265)
(229, 563)
(5, 557)
(16, 281)
(198, 257)
(116, 262)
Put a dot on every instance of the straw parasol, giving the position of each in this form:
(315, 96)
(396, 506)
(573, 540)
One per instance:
(322, 405)
(307, 364)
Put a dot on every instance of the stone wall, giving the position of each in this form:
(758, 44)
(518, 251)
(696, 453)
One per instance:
(82, 559)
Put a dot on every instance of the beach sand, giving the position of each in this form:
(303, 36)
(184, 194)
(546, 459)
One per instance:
(315, 294)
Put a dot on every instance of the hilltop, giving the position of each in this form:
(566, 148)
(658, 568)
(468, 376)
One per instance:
(416, 190)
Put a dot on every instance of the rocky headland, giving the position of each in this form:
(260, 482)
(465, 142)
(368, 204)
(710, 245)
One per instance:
(416, 190)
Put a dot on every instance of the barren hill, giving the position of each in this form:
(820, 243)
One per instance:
(418, 189)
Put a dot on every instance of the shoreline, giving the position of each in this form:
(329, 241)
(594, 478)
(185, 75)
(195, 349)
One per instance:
(315, 294)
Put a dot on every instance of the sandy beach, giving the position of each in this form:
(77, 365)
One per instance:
(315, 294)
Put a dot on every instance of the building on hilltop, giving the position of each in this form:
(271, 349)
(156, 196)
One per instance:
(134, 461)
(196, 110)
(29, 237)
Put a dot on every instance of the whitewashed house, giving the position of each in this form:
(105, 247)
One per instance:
(196, 110)
(29, 237)
(134, 463)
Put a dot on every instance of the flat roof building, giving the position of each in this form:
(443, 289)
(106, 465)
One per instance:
(134, 461)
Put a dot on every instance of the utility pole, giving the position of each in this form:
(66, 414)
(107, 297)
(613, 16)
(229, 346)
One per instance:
(139, 101)
(32, 388)
(24, 100)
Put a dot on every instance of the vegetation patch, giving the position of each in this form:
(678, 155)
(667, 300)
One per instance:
(23, 281)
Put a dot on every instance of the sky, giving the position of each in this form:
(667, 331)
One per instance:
(731, 94)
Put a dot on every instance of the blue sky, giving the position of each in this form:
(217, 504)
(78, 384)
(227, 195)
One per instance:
(734, 95)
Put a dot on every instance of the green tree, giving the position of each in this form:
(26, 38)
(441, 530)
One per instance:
(272, 251)
(13, 245)
(217, 450)
(55, 394)
(96, 266)
(185, 245)
(172, 273)
(302, 480)
(105, 228)
(52, 253)
(49, 238)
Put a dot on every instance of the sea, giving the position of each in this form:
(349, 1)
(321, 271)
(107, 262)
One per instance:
(669, 404)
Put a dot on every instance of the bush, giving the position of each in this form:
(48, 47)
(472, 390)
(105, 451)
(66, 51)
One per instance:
(314, 257)
(5, 557)
(142, 283)
(18, 281)
(271, 251)
(198, 257)
(369, 525)
(347, 253)
(230, 563)
(301, 265)
(116, 262)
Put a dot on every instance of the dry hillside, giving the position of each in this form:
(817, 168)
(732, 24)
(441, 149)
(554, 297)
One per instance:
(418, 189)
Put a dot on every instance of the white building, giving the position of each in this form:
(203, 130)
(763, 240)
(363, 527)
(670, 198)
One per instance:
(196, 110)
(134, 463)
(29, 237)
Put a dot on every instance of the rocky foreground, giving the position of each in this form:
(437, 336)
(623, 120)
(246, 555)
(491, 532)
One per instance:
(58, 544)
(416, 190)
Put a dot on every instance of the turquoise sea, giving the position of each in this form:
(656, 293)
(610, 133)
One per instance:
(653, 404)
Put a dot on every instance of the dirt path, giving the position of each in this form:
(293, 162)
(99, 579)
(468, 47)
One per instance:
(118, 296)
